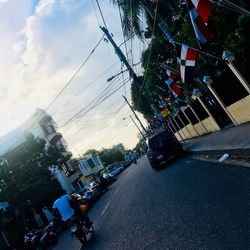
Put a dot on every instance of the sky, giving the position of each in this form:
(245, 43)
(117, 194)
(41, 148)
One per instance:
(42, 45)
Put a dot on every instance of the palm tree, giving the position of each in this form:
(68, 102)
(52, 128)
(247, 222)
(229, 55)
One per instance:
(134, 10)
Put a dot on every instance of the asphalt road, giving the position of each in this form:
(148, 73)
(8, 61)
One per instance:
(190, 204)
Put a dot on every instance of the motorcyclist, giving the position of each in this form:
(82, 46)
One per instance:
(133, 157)
(68, 208)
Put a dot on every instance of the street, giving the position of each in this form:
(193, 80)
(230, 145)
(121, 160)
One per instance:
(189, 204)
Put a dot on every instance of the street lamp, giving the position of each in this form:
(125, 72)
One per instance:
(114, 76)
(143, 136)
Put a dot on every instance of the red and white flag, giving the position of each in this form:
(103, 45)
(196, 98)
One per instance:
(169, 77)
(199, 12)
(203, 8)
(186, 59)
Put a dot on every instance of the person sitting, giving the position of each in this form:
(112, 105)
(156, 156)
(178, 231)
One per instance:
(68, 208)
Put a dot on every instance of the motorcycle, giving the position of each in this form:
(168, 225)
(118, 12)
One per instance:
(49, 236)
(40, 239)
(80, 229)
(32, 239)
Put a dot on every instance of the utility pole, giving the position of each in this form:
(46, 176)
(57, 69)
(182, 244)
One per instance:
(143, 137)
(135, 114)
(133, 75)
(122, 57)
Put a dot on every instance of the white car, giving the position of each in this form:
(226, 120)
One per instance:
(93, 185)
(115, 172)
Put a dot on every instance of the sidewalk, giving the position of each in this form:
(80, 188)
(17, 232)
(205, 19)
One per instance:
(234, 141)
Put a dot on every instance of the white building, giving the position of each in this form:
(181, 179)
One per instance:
(89, 165)
(77, 172)
(42, 125)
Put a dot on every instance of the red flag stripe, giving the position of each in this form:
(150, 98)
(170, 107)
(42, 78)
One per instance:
(203, 28)
(203, 8)
(177, 90)
(191, 54)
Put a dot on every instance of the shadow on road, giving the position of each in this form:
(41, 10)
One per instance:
(92, 238)
(169, 163)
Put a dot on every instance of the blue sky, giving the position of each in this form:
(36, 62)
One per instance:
(42, 44)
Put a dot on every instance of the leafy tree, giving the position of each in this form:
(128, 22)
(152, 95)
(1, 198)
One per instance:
(109, 155)
(25, 174)
(141, 146)
(139, 101)
(132, 11)
(230, 32)
(91, 151)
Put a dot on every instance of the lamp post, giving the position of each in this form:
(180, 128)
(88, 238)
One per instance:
(143, 136)
(208, 80)
(229, 58)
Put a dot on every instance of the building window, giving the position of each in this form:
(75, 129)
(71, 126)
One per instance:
(96, 160)
(91, 163)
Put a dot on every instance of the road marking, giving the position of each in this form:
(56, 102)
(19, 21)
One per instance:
(105, 208)
(117, 190)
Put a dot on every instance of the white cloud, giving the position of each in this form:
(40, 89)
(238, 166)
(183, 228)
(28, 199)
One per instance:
(40, 56)
(3, 1)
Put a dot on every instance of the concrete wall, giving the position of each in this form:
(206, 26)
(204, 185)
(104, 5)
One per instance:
(240, 110)
(209, 124)
(186, 132)
(178, 137)
(200, 128)
(191, 130)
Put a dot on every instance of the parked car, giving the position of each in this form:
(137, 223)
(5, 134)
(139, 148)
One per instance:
(95, 188)
(162, 147)
(116, 171)
(107, 176)
(88, 195)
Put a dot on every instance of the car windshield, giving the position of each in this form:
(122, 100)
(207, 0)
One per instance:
(159, 140)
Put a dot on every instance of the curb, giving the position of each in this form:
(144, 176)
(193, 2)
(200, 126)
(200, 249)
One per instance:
(237, 153)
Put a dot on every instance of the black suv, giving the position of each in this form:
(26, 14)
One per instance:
(163, 147)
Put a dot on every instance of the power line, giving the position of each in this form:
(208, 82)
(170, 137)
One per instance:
(123, 33)
(150, 46)
(105, 98)
(67, 84)
(103, 20)
(87, 86)
(231, 6)
(102, 98)
(93, 100)
(115, 113)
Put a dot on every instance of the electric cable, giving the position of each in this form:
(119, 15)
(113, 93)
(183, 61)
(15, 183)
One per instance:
(68, 83)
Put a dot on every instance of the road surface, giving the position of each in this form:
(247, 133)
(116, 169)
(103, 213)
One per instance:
(190, 204)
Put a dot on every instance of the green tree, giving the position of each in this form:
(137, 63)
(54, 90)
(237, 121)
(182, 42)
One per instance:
(25, 174)
(139, 101)
(141, 146)
(230, 32)
(110, 155)
(132, 11)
